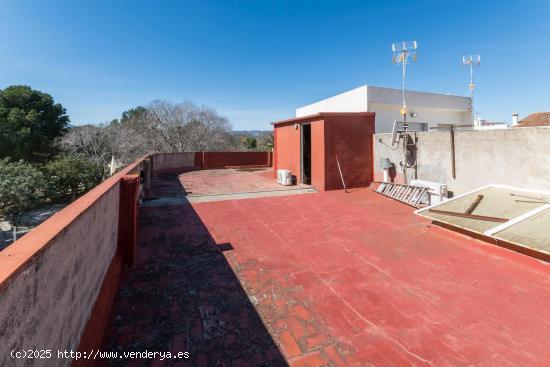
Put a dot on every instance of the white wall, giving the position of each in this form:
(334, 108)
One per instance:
(354, 100)
(418, 99)
(386, 114)
(431, 108)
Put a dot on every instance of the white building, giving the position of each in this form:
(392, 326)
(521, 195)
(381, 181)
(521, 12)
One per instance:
(480, 124)
(424, 109)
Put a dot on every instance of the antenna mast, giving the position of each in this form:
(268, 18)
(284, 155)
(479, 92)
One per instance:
(401, 53)
(404, 53)
(472, 61)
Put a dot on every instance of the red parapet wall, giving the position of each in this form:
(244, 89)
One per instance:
(92, 336)
(76, 257)
(208, 160)
(62, 276)
(127, 217)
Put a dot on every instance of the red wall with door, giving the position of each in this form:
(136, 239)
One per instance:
(318, 155)
(350, 138)
(346, 135)
(287, 148)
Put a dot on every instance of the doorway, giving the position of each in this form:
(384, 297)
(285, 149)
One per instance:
(305, 153)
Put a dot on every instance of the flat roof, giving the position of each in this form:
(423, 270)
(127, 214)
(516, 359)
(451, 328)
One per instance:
(320, 115)
(367, 98)
(324, 279)
(374, 87)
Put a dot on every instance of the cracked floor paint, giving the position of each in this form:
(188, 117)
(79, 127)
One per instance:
(325, 279)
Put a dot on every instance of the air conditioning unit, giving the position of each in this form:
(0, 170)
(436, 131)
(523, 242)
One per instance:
(284, 177)
(437, 191)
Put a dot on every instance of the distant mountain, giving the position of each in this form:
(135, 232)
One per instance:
(253, 133)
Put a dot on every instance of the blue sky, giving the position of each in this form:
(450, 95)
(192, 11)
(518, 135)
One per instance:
(256, 61)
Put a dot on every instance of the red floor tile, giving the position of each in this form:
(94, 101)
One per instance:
(328, 279)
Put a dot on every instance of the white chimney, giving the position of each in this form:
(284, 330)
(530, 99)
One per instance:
(514, 119)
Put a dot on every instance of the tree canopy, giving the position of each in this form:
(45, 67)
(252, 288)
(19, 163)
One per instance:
(30, 122)
(159, 127)
(73, 175)
(22, 187)
(133, 114)
(250, 143)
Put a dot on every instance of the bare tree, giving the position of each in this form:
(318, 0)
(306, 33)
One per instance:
(127, 138)
(91, 141)
(185, 127)
(160, 127)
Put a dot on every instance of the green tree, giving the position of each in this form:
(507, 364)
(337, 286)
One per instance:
(265, 141)
(72, 175)
(30, 122)
(22, 187)
(250, 143)
(133, 114)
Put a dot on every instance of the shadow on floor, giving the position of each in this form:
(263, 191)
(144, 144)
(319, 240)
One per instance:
(166, 183)
(182, 296)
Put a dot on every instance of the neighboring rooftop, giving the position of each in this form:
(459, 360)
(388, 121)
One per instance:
(535, 119)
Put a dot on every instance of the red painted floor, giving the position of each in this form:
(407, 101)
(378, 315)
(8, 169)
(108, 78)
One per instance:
(228, 181)
(328, 279)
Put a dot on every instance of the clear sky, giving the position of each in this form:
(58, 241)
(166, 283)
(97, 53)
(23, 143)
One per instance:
(256, 61)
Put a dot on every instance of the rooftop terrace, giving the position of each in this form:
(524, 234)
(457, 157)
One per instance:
(236, 272)
(322, 279)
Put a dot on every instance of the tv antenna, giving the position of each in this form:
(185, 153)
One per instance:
(404, 53)
(472, 61)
